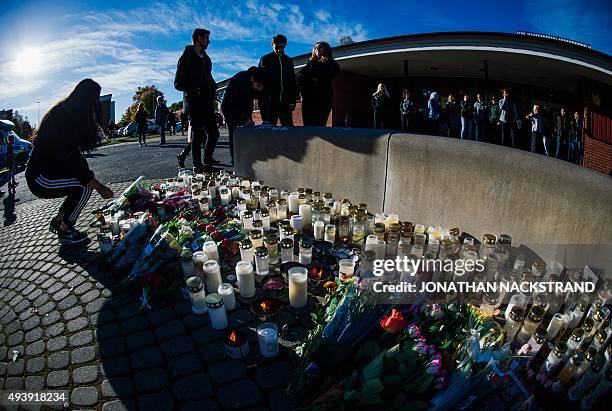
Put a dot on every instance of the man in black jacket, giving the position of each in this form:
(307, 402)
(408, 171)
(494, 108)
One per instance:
(237, 105)
(194, 79)
(278, 101)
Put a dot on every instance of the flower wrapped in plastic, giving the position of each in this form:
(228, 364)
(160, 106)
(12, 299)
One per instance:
(127, 251)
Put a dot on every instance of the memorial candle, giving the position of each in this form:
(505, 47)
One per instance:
(216, 311)
(212, 272)
(198, 259)
(226, 291)
(211, 250)
(246, 279)
(197, 294)
(318, 228)
(267, 336)
(298, 287)
(297, 223)
(293, 202)
(305, 211)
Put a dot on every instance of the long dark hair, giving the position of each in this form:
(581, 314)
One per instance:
(326, 52)
(81, 110)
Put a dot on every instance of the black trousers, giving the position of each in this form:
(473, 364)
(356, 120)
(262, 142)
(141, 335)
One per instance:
(76, 194)
(142, 135)
(378, 119)
(508, 135)
(315, 112)
(273, 112)
(535, 137)
(204, 130)
(405, 122)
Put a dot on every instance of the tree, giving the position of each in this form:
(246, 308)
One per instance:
(176, 106)
(23, 128)
(147, 95)
(129, 115)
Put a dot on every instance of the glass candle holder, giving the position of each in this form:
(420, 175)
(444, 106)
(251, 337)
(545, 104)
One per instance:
(330, 233)
(246, 279)
(247, 220)
(554, 359)
(271, 244)
(211, 250)
(289, 233)
(265, 219)
(246, 250)
(262, 262)
(198, 259)
(298, 287)
(212, 272)
(226, 291)
(281, 209)
(105, 243)
(257, 223)
(297, 223)
(319, 230)
(346, 269)
(380, 249)
(571, 367)
(575, 339)
(286, 245)
(226, 196)
(555, 325)
(343, 226)
(305, 256)
(267, 336)
(536, 342)
(197, 295)
(419, 239)
(392, 244)
(305, 211)
(417, 250)
(216, 311)
(293, 202)
(186, 260)
(256, 238)
(534, 318)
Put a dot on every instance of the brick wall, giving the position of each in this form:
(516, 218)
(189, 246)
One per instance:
(597, 155)
(297, 116)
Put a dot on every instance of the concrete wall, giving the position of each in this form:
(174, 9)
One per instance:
(478, 187)
(347, 162)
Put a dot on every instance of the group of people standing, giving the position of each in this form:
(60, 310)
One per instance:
(164, 119)
(273, 83)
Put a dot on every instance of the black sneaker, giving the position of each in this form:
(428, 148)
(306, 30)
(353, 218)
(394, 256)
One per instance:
(71, 236)
(181, 161)
(212, 161)
(54, 226)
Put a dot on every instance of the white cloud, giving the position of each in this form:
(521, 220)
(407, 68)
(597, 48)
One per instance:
(322, 15)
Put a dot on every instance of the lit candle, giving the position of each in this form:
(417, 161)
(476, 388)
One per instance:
(246, 250)
(235, 192)
(297, 222)
(346, 269)
(216, 311)
(298, 287)
(211, 250)
(198, 259)
(212, 272)
(226, 291)
(267, 336)
(247, 220)
(305, 214)
(281, 209)
(305, 256)
(319, 227)
(246, 279)
(391, 219)
(197, 294)
(115, 226)
(293, 202)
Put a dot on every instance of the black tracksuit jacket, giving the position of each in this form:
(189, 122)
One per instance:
(280, 78)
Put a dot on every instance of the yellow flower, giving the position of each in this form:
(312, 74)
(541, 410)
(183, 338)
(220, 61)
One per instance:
(330, 287)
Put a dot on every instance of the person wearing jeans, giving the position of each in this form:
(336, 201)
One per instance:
(480, 116)
(161, 118)
(536, 127)
(57, 168)
(562, 130)
(467, 115)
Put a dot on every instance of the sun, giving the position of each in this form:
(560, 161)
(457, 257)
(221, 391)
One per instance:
(29, 61)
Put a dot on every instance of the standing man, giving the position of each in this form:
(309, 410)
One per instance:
(278, 102)
(237, 105)
(562, 130)
(406, 109)
(194, 79)
(184, 121)
(536, 128)
(494, 120)
(467, 117)
(161, 117)
(480, 118)
(508, 117)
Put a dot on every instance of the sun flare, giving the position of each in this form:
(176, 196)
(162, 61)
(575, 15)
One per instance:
(29, 61)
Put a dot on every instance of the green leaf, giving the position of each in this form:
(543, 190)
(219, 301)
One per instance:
(350, 395)
(405, 355)
(403, 370)
(393, 379)
(368, 398)
(420, 384)
(433, 329)
(374, 369)
(367, 352)
(372, 386)
(393, 351)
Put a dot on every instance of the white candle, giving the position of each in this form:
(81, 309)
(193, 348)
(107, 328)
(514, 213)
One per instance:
(210, 248)
(293, 202)
(381, 248)
(226, 291)
(319, 228)
(265, 220)
(305, 214)
(216, 311)
(212, 272)
(198, 259)
(235, 193)
(298, 287)
(297, 222)
(267, 336)
(417, 250)
(115, 226)
(392, 219)
(346, 269)
(197, 295)
(226, 197)
(246, 279)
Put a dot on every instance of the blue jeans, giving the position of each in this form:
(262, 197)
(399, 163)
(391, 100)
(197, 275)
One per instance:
(479, 130)
(466, 128)
(575, 154)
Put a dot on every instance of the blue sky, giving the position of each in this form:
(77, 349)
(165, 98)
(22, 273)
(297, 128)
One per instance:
(47, 47)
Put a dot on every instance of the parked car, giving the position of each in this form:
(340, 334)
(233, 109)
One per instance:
(21, 148)
(131, 129)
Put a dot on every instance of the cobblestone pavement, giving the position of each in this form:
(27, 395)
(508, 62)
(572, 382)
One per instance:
(71, 332)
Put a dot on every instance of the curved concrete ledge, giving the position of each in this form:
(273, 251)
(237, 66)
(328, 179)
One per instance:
(346, 162)
(484, 188)
(478, 187)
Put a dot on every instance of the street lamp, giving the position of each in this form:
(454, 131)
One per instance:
(38, 112)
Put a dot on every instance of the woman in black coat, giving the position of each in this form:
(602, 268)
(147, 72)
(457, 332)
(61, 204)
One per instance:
(315, 81)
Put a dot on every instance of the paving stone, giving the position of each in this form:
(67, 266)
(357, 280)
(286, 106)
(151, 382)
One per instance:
(67, 302)
(2, 369)
(254, 359)
(85, 375)
(139, 339)
(177, 346)
(35, 348)
(185, 364)
(83, 355)
(161, 315)
(213, 352)
(75, 281)
(119, 405)
(104, 332)
(15, 338)
(34, 294)
(30, 323)
(51, 318)
(151, 380)
(239, 318)
(193, 321)
(102, 317)
(59, 360)
(158, 401)
(40, 300)
(57, 379)
(81, 338)
(192, 387)
(128, 311)
(83, 288)
(84, 396)
(112, 347)
(23, 305)
(226, 371)
(133, 325)
(117, 387)
(90, 296)
(241, 394)
(61, 294)
(47, 308)
(56, 344)
(15, 368)
(33, 335)
(95, 305)
(280, 401)
(149, 357)
(55, 330)
(73, 313)
(170, 330)
(182, 308)
(206, 335)
(35, 383)
(208, 405)
(12, 327)
(77, 324)
(13, 383)
(273, 375)
(115, 366)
